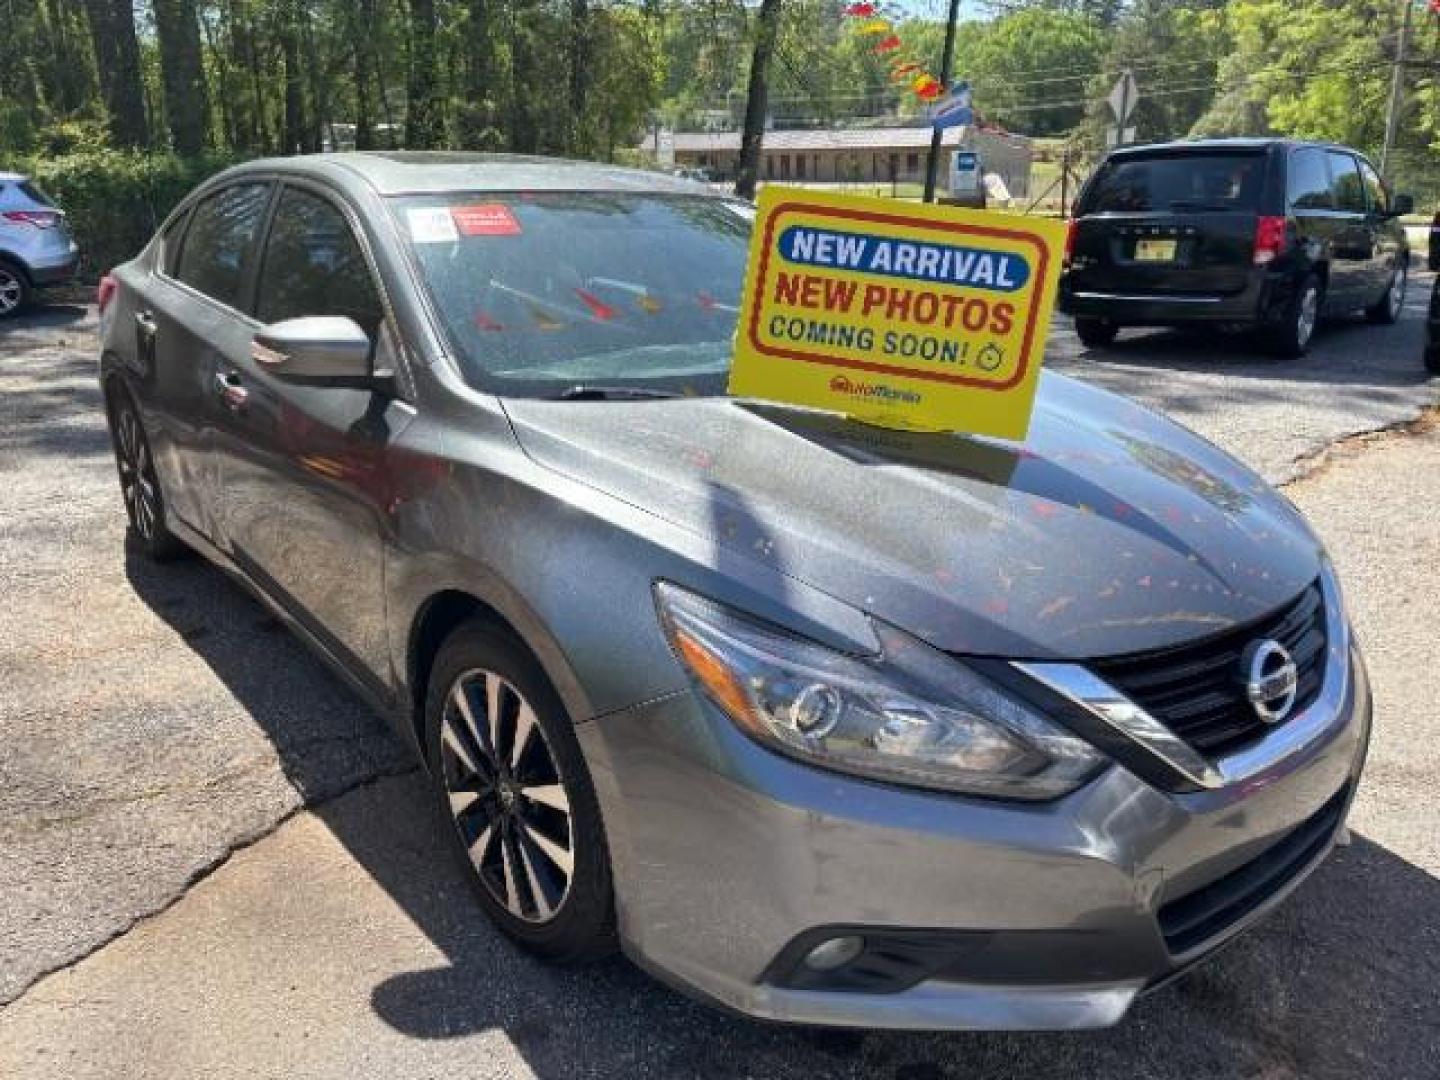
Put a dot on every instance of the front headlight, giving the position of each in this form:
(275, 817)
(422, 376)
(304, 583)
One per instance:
(907, 714)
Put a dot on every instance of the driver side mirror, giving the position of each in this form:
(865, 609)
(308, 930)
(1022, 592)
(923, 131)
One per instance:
(1401, 205)
(318, 350)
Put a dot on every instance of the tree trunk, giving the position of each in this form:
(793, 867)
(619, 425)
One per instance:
(117, 55)
(524, 139)
(752, 135)
(422, 115)
(579, 74)
(479, 71)
(293, 137)
(184, 74)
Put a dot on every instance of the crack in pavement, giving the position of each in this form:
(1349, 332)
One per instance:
(236, 845)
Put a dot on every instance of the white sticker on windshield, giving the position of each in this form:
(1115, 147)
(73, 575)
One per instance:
(431, 225)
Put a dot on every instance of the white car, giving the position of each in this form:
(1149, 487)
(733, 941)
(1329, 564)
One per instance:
(36, 248)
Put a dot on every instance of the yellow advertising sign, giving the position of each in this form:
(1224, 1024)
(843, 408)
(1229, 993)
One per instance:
(909, 316)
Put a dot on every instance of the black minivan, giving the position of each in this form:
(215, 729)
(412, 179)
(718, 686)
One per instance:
(1265, 233)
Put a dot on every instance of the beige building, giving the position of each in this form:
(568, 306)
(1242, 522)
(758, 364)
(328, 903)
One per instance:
(849, 155)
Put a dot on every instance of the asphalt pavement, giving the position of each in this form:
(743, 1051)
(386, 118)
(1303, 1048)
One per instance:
(157, 725)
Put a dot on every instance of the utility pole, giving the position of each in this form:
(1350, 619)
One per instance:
(1397, 87)
(932, 164)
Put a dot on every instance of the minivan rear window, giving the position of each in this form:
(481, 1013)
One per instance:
(1176, 181)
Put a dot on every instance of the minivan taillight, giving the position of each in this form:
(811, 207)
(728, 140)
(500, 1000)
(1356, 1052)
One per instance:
(1071, 227)
(1270, 234)
(106, 292)
(41, 219)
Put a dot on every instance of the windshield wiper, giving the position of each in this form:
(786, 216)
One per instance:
(585, 392)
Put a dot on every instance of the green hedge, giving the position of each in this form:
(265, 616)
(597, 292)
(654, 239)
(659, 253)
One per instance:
(115, 199)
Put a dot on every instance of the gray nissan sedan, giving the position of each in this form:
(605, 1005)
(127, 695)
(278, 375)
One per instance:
(820, 722)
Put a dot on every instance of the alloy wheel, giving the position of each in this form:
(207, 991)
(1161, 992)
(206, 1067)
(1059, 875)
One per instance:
(1397, 292)
(507, 796)
(11, 292)
(137, 474)
(1306, 319)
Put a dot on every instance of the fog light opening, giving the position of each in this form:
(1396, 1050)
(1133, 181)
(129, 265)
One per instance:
(834, 953)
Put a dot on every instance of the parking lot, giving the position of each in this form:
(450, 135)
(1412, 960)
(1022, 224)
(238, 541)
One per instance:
(171, 908)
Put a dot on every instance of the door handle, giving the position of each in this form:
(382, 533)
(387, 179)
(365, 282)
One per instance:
(146, 324)
(231, 392)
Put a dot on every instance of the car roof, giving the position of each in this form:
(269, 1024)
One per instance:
(1233, 143)
(397, 172)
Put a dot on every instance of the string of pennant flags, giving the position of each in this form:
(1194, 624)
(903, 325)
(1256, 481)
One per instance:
(950, 109)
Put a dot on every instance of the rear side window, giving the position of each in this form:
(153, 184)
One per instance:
(1177, 181)
(1309, 181)
(1346, 187)
(170, 242)
(34, 194)
(314, 266)
(1374, 189)
(220, 241)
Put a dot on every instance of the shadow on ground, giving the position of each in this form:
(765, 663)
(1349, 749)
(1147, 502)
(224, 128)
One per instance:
(1340, 983)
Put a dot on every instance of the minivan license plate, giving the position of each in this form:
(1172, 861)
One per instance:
(1154, 250)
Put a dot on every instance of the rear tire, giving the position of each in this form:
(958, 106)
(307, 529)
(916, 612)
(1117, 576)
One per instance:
(146, 532)
(1432, 359)
(1096, 333)
(1292, 337)
(15, 292)
(509, 776)
(1388, 308)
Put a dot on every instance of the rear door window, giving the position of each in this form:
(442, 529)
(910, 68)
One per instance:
(1374, 190)
(220, 243)
(1177, 182)
(1309, 181)
(34, 194)
(1346, 187)
(314, 265)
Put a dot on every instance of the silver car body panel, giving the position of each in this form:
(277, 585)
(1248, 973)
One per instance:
(1109, 531)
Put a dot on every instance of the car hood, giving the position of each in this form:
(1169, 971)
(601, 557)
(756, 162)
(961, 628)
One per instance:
(1110, 530)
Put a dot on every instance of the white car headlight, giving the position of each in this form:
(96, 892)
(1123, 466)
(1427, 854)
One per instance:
(907, 714)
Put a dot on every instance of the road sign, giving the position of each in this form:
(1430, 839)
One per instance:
(1123, 96)
(920, 317)
(1114, 136)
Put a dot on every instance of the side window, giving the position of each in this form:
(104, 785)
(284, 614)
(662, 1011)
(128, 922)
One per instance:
(314, 266)
(219, 242)
(1309, 181)
(170, 242)
(1345, 185)
(1374, 189)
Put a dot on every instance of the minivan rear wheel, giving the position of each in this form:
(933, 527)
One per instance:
(1388, 308)
(1291, 337)
(511, 780)
(1096, 333)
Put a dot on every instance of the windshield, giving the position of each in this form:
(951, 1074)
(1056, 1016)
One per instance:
(1188, 181)
(545, 292)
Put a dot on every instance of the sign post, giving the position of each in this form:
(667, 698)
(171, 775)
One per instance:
(947, 62)
(914, 317)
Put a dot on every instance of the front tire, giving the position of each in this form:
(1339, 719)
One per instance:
(146, 531)
(511, 780)
(1292, 337)
(1388, 308)
(1096, 333)
(15, 291)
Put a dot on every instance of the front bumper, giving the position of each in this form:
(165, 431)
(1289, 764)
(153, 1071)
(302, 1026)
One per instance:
(725, 854)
